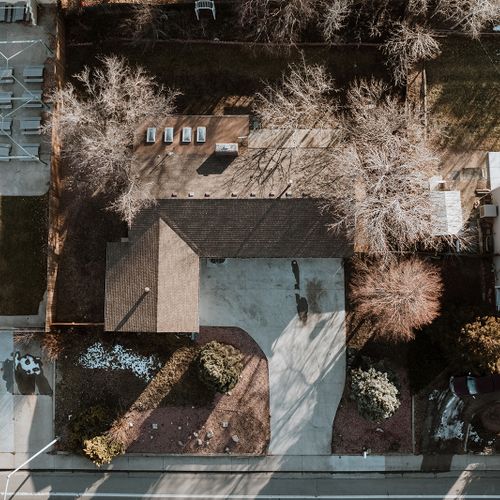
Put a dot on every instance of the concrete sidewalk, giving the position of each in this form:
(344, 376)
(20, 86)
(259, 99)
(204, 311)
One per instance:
(271, 463)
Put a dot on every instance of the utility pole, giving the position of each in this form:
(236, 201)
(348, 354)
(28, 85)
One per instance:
(24, 463)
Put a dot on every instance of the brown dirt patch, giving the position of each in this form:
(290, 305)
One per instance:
(245, 409)
(352, 432)
(87, 227)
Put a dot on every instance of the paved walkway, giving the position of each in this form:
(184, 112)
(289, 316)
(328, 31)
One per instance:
(272, 463)
(238, 486)
(25, 401)
(306, 355)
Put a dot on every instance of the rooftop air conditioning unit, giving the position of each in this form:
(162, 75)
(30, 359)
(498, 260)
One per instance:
(226, 149)
(488, 211)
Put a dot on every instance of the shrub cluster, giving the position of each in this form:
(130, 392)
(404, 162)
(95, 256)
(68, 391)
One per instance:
(219, 366)
(469, 338)
(375, 394)
(102, 449)
(86, 424)
(480, 344)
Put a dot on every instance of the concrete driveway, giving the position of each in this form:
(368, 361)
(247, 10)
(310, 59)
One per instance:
(295, 311)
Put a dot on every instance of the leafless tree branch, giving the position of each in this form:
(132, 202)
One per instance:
(470, 15)
(98, 127)
(406, 46)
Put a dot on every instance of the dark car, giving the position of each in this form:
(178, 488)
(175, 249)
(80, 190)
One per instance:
(470, 386)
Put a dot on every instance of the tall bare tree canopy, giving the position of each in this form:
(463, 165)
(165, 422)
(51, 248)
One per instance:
(302, 99)
(397, 297)
(406, 46)
(401, 27)
(283, 21)
(470, 16)
(376, 183)
(279, 22)
(373, 177)
(99, 124)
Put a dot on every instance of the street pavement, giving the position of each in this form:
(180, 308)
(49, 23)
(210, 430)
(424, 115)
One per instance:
(467, 485)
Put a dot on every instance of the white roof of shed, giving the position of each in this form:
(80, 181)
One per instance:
(494, 169)
(448, 211)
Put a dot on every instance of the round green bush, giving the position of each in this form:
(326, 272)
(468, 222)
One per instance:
(374, 393)
(219, 366)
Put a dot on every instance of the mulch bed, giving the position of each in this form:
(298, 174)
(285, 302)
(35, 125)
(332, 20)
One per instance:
(188, 409)
(87, 227)
(352, 432)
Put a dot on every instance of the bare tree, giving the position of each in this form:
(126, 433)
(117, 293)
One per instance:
(303, 103)
(146, 21)
(302, 99)
(373, 177)
(98, 127)
(406, 46)
(417, 7)
(397, 297)
(280, 21)
(333, 17)
(377, 182)
(470, 15)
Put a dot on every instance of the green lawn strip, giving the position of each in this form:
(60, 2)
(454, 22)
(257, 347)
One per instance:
(23, 254)
(464, 93)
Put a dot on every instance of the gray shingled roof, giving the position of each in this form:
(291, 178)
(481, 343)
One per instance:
(166, 242)
(225, 228)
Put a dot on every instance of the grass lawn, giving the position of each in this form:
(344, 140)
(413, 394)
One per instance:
(82, 263)
(23, 254)
(223, 78)
(464, 93)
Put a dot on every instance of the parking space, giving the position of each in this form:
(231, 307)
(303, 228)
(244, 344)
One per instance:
(295, 311)
(24, 71)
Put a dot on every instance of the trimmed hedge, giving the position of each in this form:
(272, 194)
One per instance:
(219, 366)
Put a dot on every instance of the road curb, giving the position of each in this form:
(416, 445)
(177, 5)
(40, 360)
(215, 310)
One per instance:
(272, 463)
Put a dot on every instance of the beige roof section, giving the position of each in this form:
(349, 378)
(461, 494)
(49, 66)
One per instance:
(178, 283)
(131, 267)
(301, 138)
(159, 260)
(224, 128)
